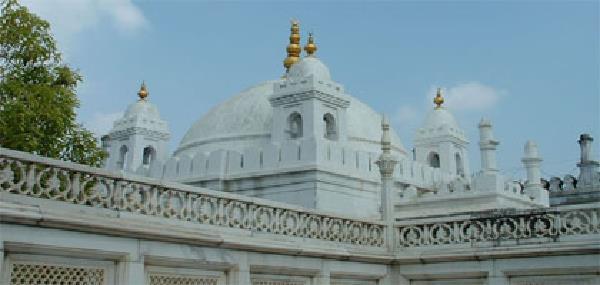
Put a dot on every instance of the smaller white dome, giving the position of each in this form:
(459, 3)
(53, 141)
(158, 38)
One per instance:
(440, 122)
(439, 117)
(310, 65)
(142, 107)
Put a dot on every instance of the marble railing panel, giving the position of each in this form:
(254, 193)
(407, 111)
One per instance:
(34, 176)
(547, 224)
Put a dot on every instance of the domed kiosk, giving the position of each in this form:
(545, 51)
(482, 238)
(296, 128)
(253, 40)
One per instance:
(138, 139)
(441, 143)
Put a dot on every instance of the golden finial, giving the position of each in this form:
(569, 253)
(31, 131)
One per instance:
(310, 46)
(293, 49)
(438, 100)
(143, 93)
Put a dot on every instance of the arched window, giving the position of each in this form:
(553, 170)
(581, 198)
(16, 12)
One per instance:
(434, 159)
(122, 157)
(460, 170)
(295, 125)
(149, 155)
(330, 127)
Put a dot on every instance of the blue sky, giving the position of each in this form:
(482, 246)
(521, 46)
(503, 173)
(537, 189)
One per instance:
(532, 67)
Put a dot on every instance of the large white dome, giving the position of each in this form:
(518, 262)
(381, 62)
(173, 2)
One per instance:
(245, 121)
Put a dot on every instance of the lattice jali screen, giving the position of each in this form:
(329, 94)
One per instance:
(276, 282)
(26, 274)
(352, 282)
(160, 279)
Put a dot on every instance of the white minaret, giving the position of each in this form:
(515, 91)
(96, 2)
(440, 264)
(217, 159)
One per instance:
(139, 139)
(489, 178)
(533, 187)
(487, 146)
(588, 167)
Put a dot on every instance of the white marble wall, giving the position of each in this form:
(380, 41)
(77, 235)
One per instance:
(123, 260)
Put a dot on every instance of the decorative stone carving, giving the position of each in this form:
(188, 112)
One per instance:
(555, 280)
(570, 183)
(76, 184)
(276, 282)
(352, 282)
(505, 227)
(162, 279)
(555, 184)
(23, 273)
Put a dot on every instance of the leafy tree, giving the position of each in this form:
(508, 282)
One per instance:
(37, 92)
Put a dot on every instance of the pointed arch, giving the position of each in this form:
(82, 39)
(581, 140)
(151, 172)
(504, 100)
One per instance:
(122, 162)
(149, 155)
(433, 159)
(460, 167)
(295, 125)
(330, 127)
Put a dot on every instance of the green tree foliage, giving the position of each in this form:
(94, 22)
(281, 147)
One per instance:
(37, 92)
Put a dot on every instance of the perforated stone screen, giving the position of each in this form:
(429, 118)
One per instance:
(27, 274)
(276, 282)
(159, 279)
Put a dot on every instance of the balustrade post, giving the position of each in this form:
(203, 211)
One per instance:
(498, 280)
(131, 271)
(386, 164)
(393, 277)
(4, 270)
(240, 274)
(323, 277)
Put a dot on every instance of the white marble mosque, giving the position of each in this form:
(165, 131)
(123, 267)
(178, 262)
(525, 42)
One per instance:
(294, 181)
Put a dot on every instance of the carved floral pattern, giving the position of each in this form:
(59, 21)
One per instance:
(82, 185)
(549, 225)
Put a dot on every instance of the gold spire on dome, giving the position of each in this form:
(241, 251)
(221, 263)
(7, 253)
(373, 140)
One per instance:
(143, 93)
(310, 46)
(293, 49)
(438, 100)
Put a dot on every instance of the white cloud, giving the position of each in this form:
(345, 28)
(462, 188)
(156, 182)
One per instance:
(470, 96)
(101, 123)
(68, 18)
(461, 98)
(405, 115)
(126, 15)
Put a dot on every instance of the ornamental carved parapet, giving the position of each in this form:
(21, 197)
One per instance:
(32, 176)
(501, 227)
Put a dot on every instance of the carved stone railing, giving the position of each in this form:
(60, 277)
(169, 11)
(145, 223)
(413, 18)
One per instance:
(35, 176)
(498, 226)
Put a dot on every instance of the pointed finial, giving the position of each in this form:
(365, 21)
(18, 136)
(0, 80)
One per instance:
(143, 93)
(438, 100)
(310, 46)
(293, 49)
